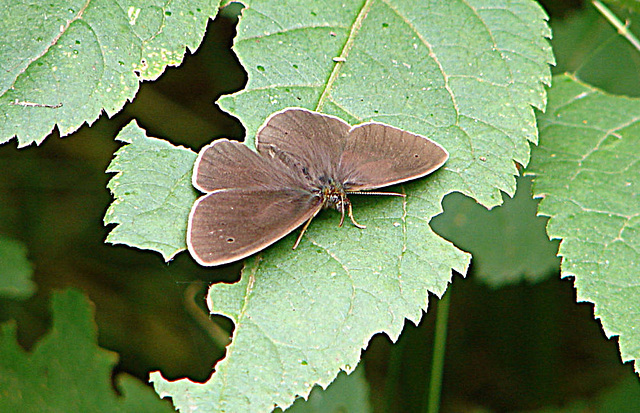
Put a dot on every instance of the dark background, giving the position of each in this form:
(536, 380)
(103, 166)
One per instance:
(523, 346)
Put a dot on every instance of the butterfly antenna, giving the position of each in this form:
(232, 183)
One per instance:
(304, 229)
(377, 193)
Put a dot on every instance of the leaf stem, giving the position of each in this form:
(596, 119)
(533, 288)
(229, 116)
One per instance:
(219, 337)
(394, 368)
(339, 61)
(623, 29)
(437, 366)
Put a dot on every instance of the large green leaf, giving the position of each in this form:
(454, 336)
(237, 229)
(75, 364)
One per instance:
(587, 44)
(588, 174)
(64, 62)
(15, 270)
(465, 74)
(66, 371)
(153, 193)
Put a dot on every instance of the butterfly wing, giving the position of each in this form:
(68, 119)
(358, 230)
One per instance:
(378, 155)
(226, 226)
(226, 164)
(304, 140)
(253, 201)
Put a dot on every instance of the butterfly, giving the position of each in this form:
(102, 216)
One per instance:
(304, 162)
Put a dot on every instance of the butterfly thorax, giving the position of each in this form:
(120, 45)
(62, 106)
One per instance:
(332, 194)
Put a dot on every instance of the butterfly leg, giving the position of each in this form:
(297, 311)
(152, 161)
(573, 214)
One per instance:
(351, 215)
(304, 229)
(340, 207)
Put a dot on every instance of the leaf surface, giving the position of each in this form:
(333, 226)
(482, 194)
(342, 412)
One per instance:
(587, 171)
(64, 62)
(153, 193)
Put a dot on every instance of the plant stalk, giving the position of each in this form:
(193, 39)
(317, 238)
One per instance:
(437, 365)
(623, 29)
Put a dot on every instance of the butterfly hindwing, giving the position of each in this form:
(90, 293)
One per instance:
(225, 226)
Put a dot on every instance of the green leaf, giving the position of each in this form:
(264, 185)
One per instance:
(621, 397)
(588, 174)
(67, 371)
(628, 4)
(348, 393)
(153, 193)
(508, 243)
(464, 74)
(586, 43)
(15, 270)
(64, 62)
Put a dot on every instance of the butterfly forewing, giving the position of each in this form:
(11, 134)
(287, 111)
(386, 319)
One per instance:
(378, 155)
(228, 164)
(304, 139)
(225, 226)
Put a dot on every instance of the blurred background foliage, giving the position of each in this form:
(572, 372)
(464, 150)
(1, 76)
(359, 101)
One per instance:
(517, 339)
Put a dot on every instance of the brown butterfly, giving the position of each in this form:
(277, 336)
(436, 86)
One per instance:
(305, 161)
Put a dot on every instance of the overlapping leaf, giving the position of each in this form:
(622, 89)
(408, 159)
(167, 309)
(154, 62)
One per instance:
(153, 193)
(15, 270)
(66, 370)
(588, 174)
(465, 74)
(64, 62)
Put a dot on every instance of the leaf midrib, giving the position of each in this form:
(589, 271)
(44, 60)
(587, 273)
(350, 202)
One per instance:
(355, 28)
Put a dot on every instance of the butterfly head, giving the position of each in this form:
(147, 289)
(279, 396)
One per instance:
(334, 195)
